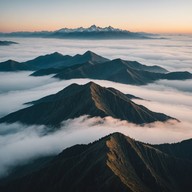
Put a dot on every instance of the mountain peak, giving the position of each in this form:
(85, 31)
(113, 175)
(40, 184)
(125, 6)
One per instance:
(95, 89)
(56, 53)
(89, 53)
(118, 60)
(92, 28)
(89, 99)
(131, 166)
(91, 83)
(118, 134)
(91, 56)
(11, 61)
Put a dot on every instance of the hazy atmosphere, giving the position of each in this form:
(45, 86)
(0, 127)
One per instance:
(95, 95)
(170, 97)
(173, 52)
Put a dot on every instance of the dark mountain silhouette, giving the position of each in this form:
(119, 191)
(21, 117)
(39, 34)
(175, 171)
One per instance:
(178, 75)
(117, 70)
(100, 35)
(92, 32)
(113, 163)
(50, 60)
(57, 60)
(6, 43)
(115, 64)
(180, 150)
(54, 60)
(89, 99)
(88, 56)
(11, 65)
(91, 65)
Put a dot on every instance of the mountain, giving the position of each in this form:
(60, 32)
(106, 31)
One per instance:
(180, 150)
(92, 28)
(90, 64)
(131, 64)
(128, 72)
(77, 100)
(52, 62)
(92, 32)
(95, 32)
(130, 96)
(11, 65)
(113, 163)
(57, 60)
(6, 43)
(88, 56)
(178, 75)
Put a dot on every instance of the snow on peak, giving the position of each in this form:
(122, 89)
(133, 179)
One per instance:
(92, 28)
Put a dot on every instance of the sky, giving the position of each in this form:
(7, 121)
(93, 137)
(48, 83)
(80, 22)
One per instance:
(160, 16)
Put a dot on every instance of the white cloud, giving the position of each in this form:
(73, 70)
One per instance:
(162, 98)
(173, 53)
(176, 84)
(19, 143)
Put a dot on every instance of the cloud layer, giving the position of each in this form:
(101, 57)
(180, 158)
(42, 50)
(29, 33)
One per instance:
(173, 52)
(27, 89)
(20, 143)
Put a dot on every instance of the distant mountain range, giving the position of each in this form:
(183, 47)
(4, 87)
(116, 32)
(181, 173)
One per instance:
(127, 72)
(89, 99)
(6, 43)
(113, 163)
(51, 62)
(91, 65)
(92, 32)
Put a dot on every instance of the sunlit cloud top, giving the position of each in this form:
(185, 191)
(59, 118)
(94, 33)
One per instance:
(138, 15)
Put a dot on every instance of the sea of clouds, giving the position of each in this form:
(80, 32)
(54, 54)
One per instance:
(20, 143)
(173, 52)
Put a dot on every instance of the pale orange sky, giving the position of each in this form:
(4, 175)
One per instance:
(165, 16)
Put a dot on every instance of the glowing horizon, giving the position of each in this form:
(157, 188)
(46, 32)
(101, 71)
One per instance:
(166, 16)
(132, 29)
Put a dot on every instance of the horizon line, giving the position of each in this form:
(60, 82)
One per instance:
(125, 29)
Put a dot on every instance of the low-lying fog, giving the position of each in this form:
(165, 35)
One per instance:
(173, 52)
(19, 143)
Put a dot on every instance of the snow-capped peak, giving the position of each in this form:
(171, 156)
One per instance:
(92, 28)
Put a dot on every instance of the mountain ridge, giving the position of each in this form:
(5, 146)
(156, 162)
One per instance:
(93, 66)
(117, 70)
(92, 32)
(53, 60)
(7, 43)
(89, 99)
(112, 163)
